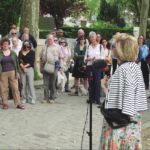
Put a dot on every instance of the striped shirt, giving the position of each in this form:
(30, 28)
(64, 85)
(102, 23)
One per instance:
(126, 90)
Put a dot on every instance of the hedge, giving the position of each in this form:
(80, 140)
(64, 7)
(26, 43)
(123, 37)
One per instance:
(70, 32)
(105, 32)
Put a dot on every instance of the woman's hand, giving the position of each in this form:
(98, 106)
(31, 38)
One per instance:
(90, 59)
(60, 70)
(25, 70)
(18, 76)
(104, 81)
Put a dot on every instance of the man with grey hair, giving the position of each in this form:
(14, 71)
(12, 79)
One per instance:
(14, 27)
(51, 32)
(31, 38)
(50, 52)
(13, 33)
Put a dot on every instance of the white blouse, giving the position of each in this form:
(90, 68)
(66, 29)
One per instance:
(126, 90)
(94, 53)
(106, 53)
(16, 50)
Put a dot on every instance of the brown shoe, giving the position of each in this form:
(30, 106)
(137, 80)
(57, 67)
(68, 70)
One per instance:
(51, 101)
(73, 87)
(44, 101)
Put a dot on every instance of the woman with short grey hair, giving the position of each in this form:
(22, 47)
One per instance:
(94, 51)
(25, 36)
(26, 62)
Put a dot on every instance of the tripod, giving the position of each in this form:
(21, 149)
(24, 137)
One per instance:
(91, 83)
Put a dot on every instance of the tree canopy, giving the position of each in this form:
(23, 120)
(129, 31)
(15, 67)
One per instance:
(133, 6)
(9, 14)
(108, 12)
(60, 9)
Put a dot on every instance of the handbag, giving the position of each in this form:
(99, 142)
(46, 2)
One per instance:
(64, 67)
(49, 66)
(116, 116)
(71, 67)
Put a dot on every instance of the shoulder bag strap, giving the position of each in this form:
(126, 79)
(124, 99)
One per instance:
(100, 49)
(46, 54)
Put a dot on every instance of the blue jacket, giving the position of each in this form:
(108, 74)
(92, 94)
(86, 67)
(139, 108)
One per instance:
(144, 52)
(139, 59)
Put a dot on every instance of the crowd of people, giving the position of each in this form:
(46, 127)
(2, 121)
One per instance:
(126, 90)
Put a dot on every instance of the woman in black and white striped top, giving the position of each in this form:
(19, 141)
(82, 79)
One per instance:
(126, 92)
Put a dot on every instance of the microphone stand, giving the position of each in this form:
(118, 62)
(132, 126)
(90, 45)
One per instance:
(91, 83)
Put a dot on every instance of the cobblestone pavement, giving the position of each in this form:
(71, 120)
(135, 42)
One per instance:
(51, 126)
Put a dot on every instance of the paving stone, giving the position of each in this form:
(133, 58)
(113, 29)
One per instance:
(47, 126)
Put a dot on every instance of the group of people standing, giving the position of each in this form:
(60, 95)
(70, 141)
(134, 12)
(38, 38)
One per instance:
(17, 68)
(125, 92)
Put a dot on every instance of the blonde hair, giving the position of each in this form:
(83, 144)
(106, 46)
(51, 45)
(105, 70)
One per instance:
(126, 47)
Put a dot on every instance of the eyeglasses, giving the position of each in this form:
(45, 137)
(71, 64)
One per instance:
(62, 42)
(141, 38)
(60, 32)
(55, 40)
(98, 36)
(27, 47)
(14, 33)
(82, 39)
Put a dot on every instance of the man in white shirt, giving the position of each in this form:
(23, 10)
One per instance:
(13, 33)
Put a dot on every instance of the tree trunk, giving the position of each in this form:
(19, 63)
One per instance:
(144, 16)
(30, 16)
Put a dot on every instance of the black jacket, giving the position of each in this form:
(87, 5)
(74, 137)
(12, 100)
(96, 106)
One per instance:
(31, 39)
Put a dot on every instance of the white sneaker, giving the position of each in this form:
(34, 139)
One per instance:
(23, 101)
(32, 101)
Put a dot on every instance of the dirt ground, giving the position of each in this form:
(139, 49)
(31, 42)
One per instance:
(146, 139)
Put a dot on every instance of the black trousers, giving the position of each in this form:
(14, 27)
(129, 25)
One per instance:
(145, 72)
(114, 65)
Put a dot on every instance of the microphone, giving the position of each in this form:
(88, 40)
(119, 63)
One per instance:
(99, 64)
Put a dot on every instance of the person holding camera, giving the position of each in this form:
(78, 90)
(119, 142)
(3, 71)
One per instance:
(26, 61)
(126, 92)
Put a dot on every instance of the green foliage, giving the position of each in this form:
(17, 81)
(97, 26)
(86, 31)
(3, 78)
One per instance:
(108, 12)
(36, 74)
(70, 32)
(133, 6)
(43, 33)
(103, 24)
(9, 14)
(93, 5)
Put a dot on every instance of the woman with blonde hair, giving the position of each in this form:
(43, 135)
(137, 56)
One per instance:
(126, 92)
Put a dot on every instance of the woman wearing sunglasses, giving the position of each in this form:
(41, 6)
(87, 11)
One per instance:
(25, 37)
(26, 61)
